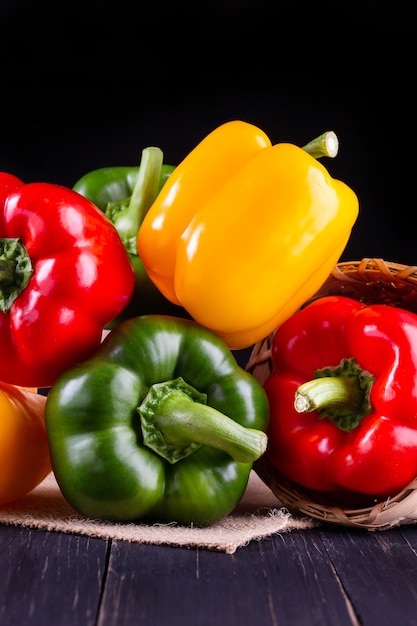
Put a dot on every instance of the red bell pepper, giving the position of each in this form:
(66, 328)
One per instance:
(64, 274)
(343, 399)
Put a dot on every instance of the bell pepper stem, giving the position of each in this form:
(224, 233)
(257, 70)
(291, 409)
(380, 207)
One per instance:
(341, 394)
(176, 421)
(130, 215)
(326, 145)
(15, 271)
(344, 393)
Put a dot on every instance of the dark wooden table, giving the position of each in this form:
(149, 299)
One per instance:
(321, 576)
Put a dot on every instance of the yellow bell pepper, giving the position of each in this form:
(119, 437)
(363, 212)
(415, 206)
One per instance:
(244, 232)
(24, 449)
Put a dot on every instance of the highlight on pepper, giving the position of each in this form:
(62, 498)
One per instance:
(244, 232)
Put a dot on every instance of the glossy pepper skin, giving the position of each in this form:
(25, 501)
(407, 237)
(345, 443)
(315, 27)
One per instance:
(351, 371)
(244, 232)
(24, 449)
(124, 194)
(161, 424)
(64, 274)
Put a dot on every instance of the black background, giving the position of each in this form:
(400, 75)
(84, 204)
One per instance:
(88, 84)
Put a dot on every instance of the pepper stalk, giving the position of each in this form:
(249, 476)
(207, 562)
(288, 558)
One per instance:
(127, 215)
(176, 421)
(15, 271)
(342, 394)
(326, 145)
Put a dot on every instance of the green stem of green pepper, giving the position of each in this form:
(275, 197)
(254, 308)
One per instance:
(128, 220)
(176, 421)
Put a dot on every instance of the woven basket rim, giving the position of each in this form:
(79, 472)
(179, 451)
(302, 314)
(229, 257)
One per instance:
(369, 280)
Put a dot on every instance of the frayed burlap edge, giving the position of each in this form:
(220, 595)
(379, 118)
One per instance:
(258, 515)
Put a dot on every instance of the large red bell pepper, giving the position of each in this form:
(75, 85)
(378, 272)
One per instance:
(64, 274)
(343, 399)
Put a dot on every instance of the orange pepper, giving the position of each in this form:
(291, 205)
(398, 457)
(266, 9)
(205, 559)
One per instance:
(24, 450)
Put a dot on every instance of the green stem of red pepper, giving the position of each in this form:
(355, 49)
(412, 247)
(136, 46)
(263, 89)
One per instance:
(176, 421)
(341, 394)
(15, 271)
(127, 216)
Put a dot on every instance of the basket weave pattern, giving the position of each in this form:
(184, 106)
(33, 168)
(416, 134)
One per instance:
(370, 281)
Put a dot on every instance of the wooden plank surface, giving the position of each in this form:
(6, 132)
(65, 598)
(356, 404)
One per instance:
(284, 580)
(316, 577)
(378, 572)
(49, 578)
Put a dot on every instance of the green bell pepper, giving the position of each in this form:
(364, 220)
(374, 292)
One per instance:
(125, 194)
(112, 184)
(161, 424)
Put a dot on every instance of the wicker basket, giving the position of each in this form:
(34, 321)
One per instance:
(370, 281)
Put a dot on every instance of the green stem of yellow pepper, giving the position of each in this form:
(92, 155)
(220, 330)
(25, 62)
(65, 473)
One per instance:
(326, 144)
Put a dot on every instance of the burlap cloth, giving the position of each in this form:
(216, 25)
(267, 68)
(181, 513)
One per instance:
(258, 515)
